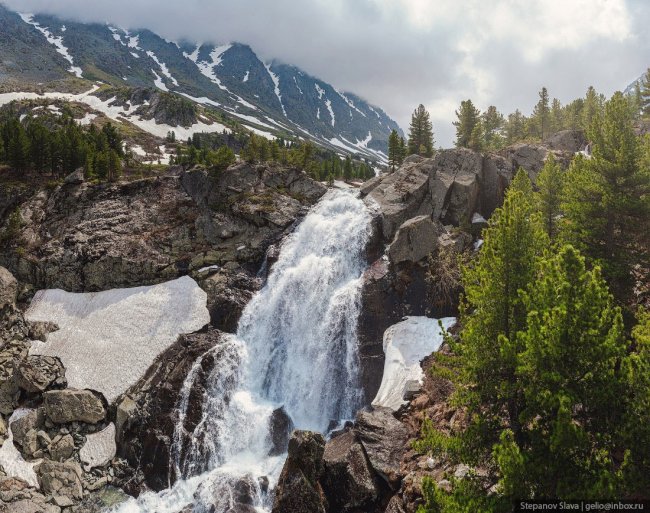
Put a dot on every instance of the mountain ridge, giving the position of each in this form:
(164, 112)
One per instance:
(270, 98)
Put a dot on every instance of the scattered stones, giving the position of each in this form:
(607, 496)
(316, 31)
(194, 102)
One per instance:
(60, 478)
(69, 405)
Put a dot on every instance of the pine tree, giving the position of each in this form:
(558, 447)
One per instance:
(549, 196)
(402, 150)
(421, 133)
(468, 118)
(556, 118)
(541, 114)
(607, 197)
(493, 312)
(18, 148)
(592, 108)
(645, 94)
(493, 122)
(394, 150)
(515, 127)
(347, 168)
(571, 385)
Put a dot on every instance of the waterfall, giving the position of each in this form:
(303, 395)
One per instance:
(296, 348)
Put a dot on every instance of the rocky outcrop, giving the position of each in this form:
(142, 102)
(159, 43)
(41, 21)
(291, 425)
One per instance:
(82, 236)
(357, 470)
(299, 489)
(428, 208)
(60, 479)
(147, 415)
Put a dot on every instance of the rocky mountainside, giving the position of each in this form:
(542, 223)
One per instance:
(270, 98)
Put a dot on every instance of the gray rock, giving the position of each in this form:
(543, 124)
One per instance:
(61, 479)
(348, 480)
(401, 195)
(454, 181)
(571, 141)
(415, 240)
(32, 421)
(38, 330)
(62, 449)
(75, 178)
(384, 439)
(8, 288)
(70, 405)
(395, 505)
(37, 373)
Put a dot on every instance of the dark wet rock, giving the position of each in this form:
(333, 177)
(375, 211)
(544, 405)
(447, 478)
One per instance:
(280, 428)
(298, 489)
(229, 290)
(71, 405)
(348, 481)
(148, 414)
(384, 439)
(37, 373)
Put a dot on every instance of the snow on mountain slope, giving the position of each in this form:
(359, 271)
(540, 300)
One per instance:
(57, 41)
(227, 77)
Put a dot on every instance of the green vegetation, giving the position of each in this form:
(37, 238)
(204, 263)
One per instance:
(420, 133)
(396, 150)
(551, 377)
(60, 148)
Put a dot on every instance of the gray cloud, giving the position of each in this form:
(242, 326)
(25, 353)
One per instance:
(398, 53)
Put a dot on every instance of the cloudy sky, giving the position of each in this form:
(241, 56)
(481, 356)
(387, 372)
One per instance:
(399, 53)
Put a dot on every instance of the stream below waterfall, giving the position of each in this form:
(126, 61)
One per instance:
(295, 348)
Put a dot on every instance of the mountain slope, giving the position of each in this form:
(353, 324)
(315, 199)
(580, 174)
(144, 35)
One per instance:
(272, 99)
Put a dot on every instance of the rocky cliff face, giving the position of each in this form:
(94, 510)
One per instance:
(427, 209)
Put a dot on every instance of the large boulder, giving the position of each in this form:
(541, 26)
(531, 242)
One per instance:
(401, 195)
(530, 157)
(348, 480)
(454, 182)
(31, 421)
(384, 439)
(280, 428)
(570, 141)
(37, 373)
(415, 240)
(298, 489)
(8, 288)
(71, 405)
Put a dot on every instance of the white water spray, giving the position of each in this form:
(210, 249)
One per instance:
(296, 348)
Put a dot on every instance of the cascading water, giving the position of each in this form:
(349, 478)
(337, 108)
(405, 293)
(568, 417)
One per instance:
(296, 348)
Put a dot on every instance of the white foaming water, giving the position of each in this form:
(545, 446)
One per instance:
(296, 348)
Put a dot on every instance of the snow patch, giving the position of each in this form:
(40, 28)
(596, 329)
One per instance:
(296, 81)
(57, 41)
(328, 103)
(107, 340)
(158, 82)
(405, 345)
(207, 67)
(163, 68)
(350, 103)
(320, 91)
(276, 83)
(99, 449)
(245, 79)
